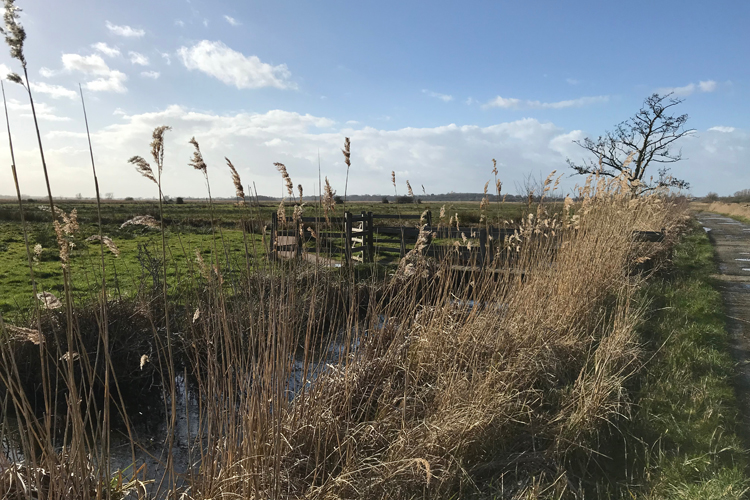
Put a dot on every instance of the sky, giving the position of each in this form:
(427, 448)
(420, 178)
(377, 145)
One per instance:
(431, 90)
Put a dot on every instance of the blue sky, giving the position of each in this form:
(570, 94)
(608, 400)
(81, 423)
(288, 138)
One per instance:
(432, 90)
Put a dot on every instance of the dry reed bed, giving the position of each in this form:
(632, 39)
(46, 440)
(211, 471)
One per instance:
(431, 384)
(440, 398)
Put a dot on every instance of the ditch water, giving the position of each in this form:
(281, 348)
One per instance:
(151, 431)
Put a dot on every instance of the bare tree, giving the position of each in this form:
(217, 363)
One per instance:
(630, 149)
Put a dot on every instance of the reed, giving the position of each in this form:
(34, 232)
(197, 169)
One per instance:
(302, 380)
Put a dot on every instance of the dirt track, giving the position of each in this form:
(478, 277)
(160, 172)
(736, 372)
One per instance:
(731, 240)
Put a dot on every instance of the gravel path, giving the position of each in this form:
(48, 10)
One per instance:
(731, 240)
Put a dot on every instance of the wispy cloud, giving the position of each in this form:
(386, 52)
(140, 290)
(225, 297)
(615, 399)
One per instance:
(572, 81)
(724, 130)
(234, 68)
(43, 111)
(125, 31)
(93, 64)
(513, 103)
(106, 49)
(436, 95)
(691, 88)
(114, 82)
(231, 20)
(54, 91)
(503, 102)
(150, 74)
(138, 58)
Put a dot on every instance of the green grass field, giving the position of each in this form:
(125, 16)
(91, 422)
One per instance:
(188, 229)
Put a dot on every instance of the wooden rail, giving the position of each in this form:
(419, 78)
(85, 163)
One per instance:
(358, 233)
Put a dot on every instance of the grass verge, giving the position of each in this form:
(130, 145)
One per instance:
(688, 419)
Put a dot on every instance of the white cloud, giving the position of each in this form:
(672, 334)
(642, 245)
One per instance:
(725, 130)
(502, 102)
(205, 23)
(690, 88)
(46, 72)
(444, 158)
(571, 103)
(166, 57)
(92, 65)
(43, 111)
(138, 58)
(54, 91)
(436, 95)
(110, 80)
(150, 74)
(125, 31)
(234, 68)
(707, 86)
(4, 70)
(232, 21)
(113, 82)
(106, 49)
(512, 103)
(180, 23)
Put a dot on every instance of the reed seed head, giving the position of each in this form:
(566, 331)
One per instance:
(197, 160)
(15, 78)
(107, 242)
(239, 191)
(157, 145)
(143, 167)
(14, 33)
(285, 175)
(347, 152)
(329, 204)
(409, 189)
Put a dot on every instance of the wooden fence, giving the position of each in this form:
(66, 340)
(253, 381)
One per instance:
(358, 236)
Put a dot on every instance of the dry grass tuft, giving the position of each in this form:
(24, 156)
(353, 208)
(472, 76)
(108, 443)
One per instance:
(141, 220)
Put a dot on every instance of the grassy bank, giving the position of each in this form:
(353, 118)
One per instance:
(737, 211)
(685, 432)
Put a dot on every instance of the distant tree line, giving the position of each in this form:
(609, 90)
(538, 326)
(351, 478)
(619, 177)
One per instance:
(742, 196)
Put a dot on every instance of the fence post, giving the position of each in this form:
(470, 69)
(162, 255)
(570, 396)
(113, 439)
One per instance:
(482, 245)
(274, 226)
(348, 238)
(370, 239)
(429, 219)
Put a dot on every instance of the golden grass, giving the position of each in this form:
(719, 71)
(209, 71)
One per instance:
(729, 209)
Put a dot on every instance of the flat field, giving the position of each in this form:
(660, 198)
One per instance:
(188, 230)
